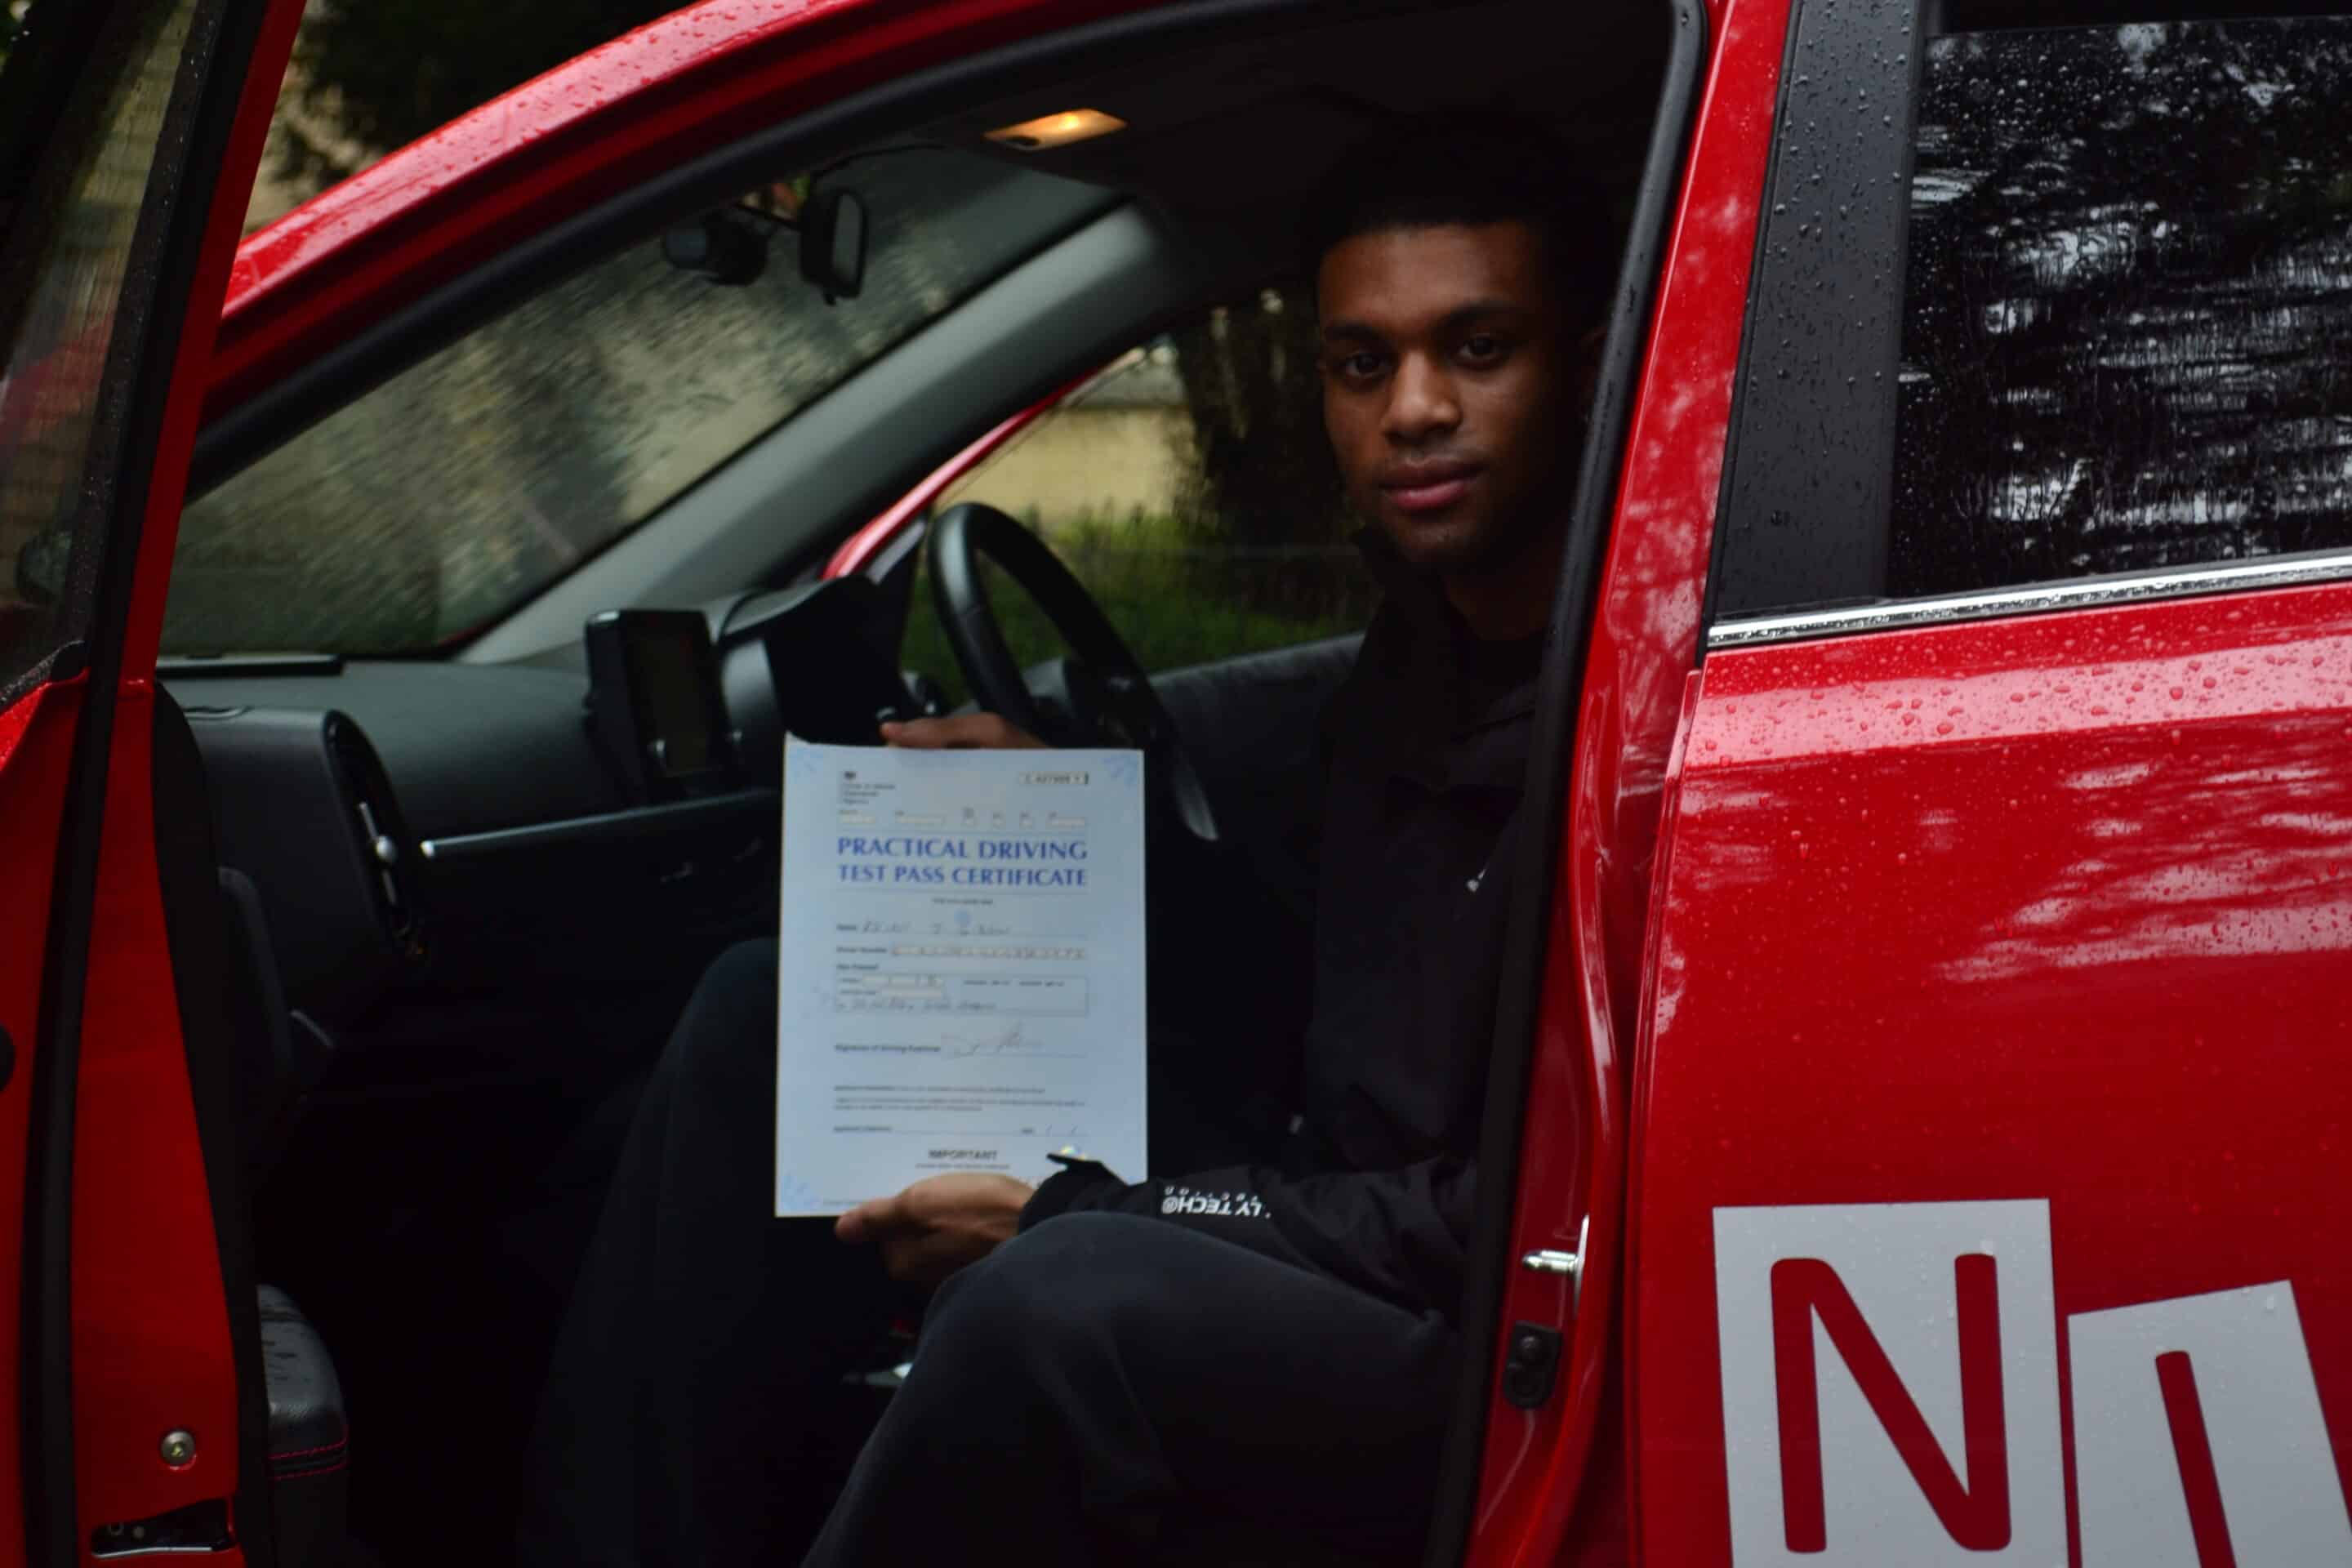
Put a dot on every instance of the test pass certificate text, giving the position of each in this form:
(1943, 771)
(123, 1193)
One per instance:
(961, 982)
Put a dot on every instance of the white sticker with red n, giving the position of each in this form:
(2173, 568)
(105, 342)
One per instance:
(1891, 1396)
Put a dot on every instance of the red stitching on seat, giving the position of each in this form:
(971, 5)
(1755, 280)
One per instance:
(310, 1475)
(298, 1453)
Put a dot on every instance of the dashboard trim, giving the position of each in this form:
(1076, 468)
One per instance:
(613, 826)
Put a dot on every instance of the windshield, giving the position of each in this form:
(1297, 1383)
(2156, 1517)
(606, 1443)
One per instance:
(433, 505)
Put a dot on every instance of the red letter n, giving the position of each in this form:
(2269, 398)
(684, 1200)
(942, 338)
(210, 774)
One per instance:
(1977, 1515)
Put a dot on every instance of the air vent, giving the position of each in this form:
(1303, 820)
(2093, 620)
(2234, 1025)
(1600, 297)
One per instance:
(381, 838)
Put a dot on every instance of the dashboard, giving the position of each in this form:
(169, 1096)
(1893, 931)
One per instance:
(423, 824)
(469, 877)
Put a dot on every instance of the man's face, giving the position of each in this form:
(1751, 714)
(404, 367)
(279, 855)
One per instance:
(1447, 375)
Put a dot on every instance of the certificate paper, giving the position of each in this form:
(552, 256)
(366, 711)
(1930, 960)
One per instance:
(961, 982)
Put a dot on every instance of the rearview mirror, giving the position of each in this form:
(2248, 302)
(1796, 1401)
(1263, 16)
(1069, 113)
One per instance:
(833, 243)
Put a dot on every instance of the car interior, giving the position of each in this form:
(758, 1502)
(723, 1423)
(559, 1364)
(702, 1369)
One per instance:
(460, 887)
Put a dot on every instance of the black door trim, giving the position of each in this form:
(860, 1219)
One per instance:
(1558, 693)
(193, 141)
(1809, 473)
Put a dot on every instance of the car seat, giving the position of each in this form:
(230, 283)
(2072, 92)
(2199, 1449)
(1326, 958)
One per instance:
(246, 1068)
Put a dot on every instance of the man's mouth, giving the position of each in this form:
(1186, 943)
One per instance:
(1432, 488)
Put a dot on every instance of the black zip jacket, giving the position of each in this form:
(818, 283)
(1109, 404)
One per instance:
(1425, 748)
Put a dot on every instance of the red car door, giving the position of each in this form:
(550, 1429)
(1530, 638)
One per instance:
(133, 128)
(1992, 1098)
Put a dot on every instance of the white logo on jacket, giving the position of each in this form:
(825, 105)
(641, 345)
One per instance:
(1228, 1205)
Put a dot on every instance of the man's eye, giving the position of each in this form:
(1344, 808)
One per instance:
(1482, 348)
(1361, 366)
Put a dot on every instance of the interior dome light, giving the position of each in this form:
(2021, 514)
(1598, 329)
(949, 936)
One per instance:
(1057, 129)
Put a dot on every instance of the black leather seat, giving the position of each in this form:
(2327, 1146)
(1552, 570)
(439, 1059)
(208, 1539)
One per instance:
(309, 1439)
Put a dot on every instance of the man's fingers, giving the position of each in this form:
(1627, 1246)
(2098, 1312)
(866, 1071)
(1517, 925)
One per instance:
(925, 734)
(938, 1224)
(862, 1224)
(932, 734)
(978, 731)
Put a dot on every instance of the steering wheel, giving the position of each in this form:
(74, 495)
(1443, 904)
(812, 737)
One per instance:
(1107, 696)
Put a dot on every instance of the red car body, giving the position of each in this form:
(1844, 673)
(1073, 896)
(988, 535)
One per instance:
(1871, 957)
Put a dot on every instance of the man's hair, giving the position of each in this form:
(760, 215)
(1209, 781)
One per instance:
(1471, 168)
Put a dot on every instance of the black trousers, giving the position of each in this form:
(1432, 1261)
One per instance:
(1103, 1389)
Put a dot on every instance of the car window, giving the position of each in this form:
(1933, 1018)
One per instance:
(2120, 338)
(2128, 323)
(432, 505)
(64, 268)
(1190, 487)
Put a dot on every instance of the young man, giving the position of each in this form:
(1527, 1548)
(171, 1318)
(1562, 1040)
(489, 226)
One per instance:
(1111, 1369)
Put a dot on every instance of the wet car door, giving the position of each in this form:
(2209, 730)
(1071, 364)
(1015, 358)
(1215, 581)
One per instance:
(132, 132)
(1993, 1088)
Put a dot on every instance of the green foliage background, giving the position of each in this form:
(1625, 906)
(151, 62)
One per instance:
(384, 72)
(1175, 602)
(1255, 552)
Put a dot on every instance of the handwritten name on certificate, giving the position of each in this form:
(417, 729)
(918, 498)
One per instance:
(960, 981)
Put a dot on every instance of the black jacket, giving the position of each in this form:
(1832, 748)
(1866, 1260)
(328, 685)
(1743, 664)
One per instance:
(1426, 747)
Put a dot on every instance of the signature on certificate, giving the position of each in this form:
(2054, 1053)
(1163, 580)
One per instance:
(1008, 1041)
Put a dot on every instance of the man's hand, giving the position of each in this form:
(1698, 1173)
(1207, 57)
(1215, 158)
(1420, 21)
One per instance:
(938, 1224)
(961, 731)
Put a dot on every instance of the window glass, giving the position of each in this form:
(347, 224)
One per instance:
(433, 504)
(62, 275)
(2127, 340)
(1190, 487)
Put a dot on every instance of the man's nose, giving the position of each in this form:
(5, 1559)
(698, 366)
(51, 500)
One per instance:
(1421, 402)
